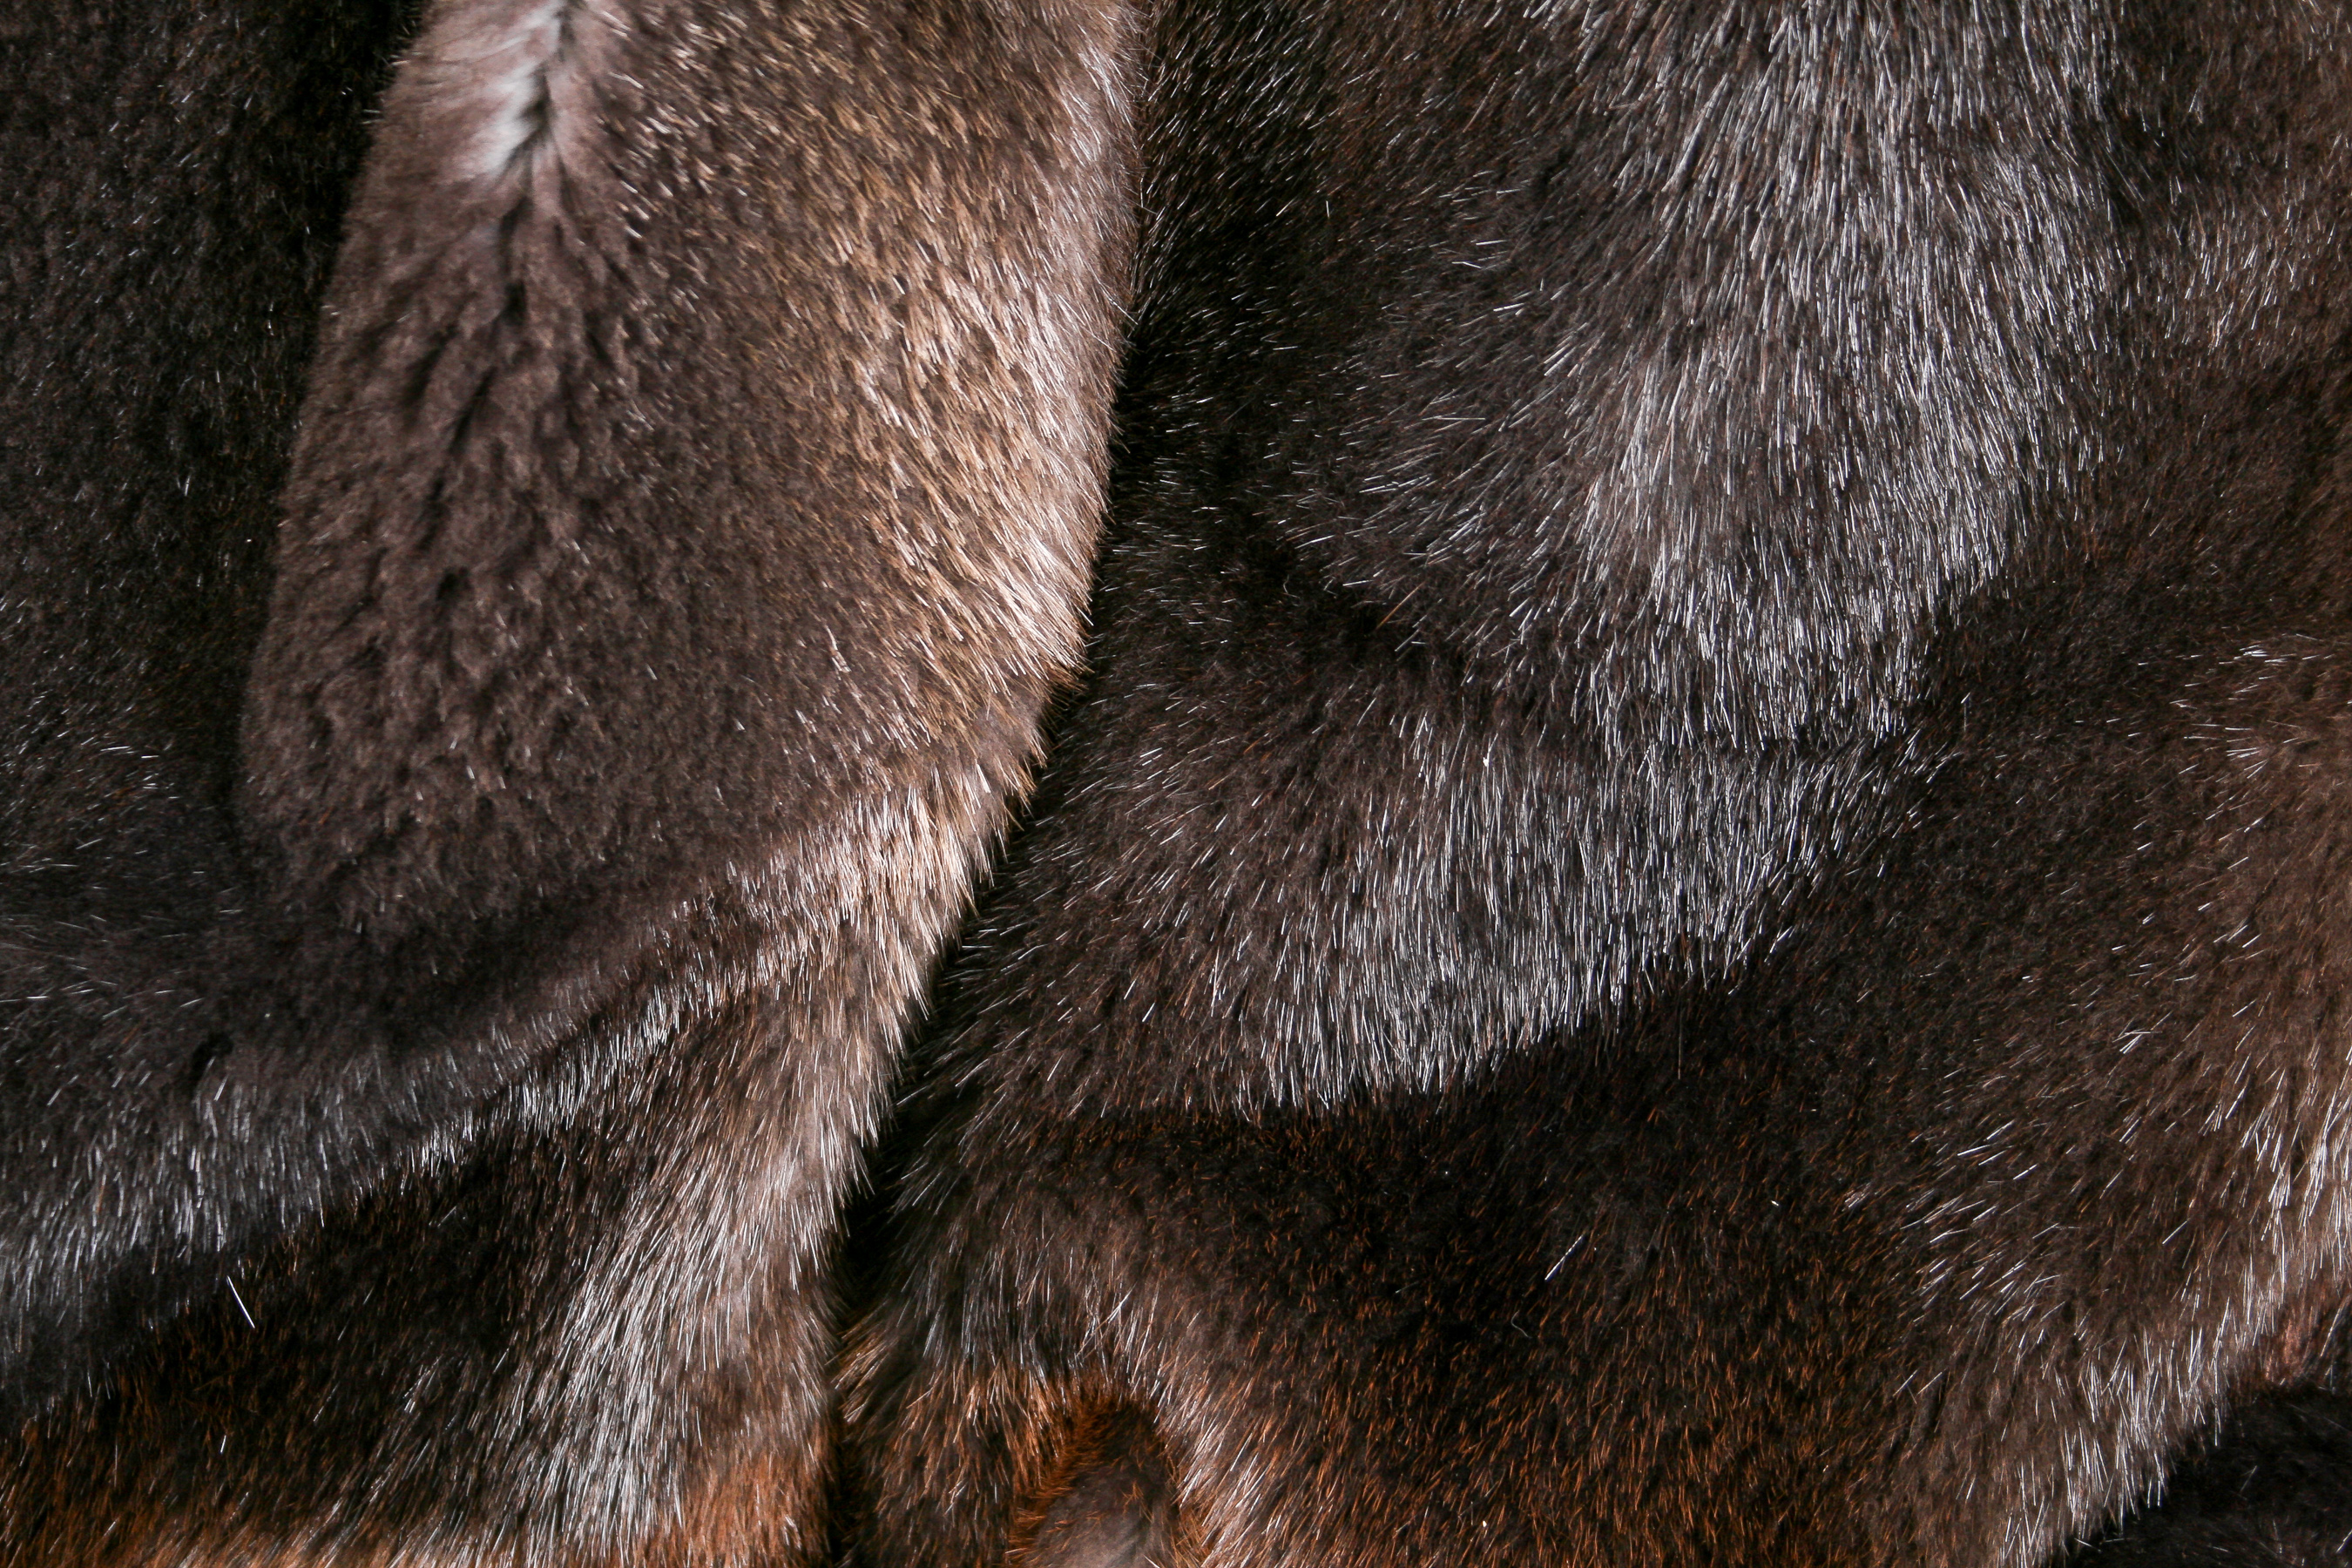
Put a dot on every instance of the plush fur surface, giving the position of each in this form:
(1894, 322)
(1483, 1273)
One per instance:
(1695, 909)
(1690, 912)
(177, 177)
(473, 846)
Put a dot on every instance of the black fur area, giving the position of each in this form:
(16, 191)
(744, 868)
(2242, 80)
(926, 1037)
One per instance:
(178, 175)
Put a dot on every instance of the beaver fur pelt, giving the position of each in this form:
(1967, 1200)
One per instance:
(1698, 908)
(484, 780)
(1690, 912)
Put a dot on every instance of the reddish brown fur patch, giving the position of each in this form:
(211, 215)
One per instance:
(1107, 1499)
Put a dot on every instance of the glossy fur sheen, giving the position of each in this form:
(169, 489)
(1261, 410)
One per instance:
(1694, 910)
(473, 846)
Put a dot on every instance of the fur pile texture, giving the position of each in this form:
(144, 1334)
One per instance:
(1689, 907)
(482, 814)
(1693, 912)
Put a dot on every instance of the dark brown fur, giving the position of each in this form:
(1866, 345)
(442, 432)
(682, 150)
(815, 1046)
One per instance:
(1692, 913)
(2269, 1492)
(1695, 909)
(458, 947)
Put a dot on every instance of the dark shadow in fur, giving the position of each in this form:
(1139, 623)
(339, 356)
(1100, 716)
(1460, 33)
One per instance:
(2273, 1490)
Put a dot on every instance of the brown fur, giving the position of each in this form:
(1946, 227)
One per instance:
(686, 520)
(1695, 911)
(1692, 912)
(1107, 1499)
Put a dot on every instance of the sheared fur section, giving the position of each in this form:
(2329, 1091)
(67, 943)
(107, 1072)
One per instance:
(1695, 911)
(688, 517)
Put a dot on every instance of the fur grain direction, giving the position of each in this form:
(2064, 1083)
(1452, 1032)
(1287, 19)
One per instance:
(686, 519)
(1694, 911)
